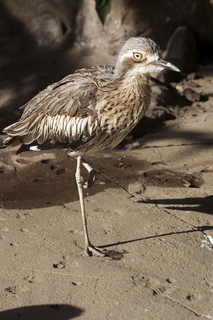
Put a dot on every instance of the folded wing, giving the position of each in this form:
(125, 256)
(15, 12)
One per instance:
(62, 113)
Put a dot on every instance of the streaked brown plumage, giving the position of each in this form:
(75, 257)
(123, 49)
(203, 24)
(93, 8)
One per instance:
(91, 110)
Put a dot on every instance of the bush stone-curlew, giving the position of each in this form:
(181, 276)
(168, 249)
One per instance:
(90, 110)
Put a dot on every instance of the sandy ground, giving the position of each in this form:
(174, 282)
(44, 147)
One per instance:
(151, 208)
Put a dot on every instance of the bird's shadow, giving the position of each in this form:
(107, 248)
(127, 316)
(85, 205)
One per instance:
(195, 229)
(202, 205)
(42, 312)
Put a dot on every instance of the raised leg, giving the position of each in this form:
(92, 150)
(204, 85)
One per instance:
(89, 248)
(92, 174)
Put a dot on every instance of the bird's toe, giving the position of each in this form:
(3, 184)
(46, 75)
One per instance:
(91, 250)
(91, 180)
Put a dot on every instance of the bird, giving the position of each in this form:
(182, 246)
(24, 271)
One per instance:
(91, 110)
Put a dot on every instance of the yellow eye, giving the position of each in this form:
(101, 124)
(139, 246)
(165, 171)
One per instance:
(137, 56)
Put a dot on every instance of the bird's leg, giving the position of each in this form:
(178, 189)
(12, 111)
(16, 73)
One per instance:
(89, 248)
(92, 174)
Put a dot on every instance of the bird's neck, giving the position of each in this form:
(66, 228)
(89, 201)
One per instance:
(135, 80)
(130, 78)
(134, 90)
(135, 83)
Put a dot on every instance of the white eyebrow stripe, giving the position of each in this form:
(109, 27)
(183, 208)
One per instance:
(128, 54)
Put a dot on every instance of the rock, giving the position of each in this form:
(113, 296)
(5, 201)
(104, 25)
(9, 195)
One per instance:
(182, 52)
(52, 31)
(191, 95)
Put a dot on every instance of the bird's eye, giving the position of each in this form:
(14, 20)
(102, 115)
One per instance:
(137, 56)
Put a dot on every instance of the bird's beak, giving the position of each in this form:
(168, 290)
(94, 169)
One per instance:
(166, 65)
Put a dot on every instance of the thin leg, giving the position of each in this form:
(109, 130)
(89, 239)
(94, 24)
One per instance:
(89, 248)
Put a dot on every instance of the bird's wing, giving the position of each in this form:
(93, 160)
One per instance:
(64, 112)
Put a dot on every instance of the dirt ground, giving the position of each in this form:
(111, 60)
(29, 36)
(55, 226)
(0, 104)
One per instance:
(151, 208)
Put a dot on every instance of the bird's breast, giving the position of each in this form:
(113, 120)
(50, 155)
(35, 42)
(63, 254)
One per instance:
(120, 110)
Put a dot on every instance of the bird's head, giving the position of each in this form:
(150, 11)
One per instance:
(141, 56)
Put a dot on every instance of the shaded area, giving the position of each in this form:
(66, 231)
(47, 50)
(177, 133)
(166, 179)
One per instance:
(203, 205)
(42, 312)
(26, 67)
(37, 179)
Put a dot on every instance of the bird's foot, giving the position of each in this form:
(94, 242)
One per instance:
(91, 180)
(90, 250)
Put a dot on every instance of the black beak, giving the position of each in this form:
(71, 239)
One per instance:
(166, 65)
